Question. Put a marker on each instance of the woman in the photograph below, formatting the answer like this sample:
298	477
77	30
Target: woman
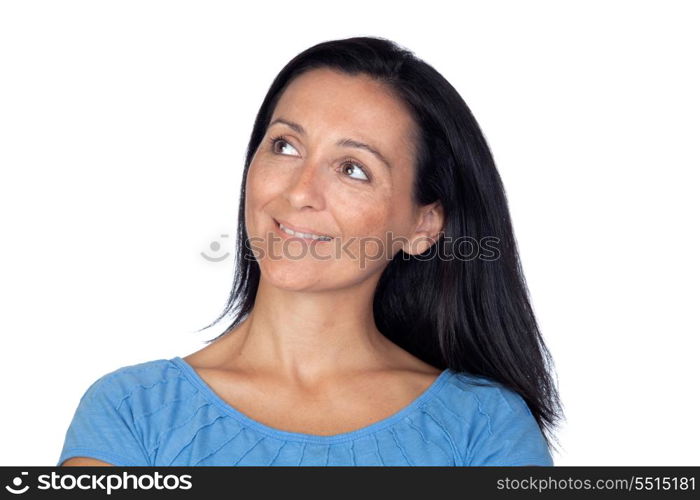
363	334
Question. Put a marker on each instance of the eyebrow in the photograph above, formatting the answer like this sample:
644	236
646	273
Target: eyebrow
345	142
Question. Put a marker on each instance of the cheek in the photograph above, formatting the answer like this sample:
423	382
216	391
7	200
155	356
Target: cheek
364	220
382	226
263	184
261	180
360	212
259	189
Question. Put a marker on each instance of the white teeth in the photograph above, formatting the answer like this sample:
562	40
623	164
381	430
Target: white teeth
303	235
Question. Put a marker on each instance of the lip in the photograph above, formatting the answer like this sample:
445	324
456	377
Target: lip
298	230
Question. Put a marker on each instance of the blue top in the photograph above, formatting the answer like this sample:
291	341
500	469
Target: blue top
162	413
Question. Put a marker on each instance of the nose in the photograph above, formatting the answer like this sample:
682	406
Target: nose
306	186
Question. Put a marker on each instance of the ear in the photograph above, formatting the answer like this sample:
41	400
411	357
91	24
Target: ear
429	226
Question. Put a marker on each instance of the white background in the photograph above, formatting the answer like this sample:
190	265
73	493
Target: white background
123	128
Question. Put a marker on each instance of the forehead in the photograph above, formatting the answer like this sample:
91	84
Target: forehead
326	101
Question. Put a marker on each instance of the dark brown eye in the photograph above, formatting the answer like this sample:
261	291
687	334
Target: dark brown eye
275	141
356	167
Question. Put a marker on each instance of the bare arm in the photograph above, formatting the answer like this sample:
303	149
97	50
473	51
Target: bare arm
83	461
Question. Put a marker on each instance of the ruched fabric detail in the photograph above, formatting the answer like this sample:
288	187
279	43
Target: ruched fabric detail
161	413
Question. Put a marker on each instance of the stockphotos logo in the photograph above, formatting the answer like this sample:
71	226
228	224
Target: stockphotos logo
102	482
17	487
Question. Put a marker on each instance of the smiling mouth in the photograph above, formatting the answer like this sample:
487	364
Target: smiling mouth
297	234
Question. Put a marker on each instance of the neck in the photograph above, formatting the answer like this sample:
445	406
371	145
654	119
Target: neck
311	336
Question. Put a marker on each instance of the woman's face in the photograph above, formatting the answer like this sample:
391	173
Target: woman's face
311	172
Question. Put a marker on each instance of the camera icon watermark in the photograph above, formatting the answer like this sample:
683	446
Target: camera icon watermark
17	488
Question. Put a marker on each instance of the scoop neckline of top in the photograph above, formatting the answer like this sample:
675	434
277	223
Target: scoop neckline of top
213	397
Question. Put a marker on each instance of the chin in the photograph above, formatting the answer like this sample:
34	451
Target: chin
291	275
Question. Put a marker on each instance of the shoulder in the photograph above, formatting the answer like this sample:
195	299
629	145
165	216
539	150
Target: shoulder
148	377
109	423
492	423
479	394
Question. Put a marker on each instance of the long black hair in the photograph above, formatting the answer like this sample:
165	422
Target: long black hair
471	315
